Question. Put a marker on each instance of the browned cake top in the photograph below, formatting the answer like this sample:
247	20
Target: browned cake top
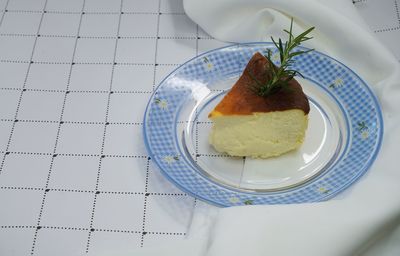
242	100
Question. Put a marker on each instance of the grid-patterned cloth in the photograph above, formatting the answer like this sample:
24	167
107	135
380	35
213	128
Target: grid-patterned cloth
75	77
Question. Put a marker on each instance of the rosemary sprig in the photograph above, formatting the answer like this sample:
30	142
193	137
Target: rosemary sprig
279	77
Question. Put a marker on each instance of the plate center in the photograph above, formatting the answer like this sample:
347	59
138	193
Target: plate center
321	147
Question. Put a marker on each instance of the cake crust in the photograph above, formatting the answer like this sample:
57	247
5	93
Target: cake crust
242	100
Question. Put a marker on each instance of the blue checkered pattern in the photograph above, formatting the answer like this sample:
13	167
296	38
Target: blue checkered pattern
346	87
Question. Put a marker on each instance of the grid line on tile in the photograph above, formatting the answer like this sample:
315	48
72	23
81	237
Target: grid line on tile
58	132
89	63
106	37
72	154
4	13
75	91
69	122
22	91
142	238
104	131
95	229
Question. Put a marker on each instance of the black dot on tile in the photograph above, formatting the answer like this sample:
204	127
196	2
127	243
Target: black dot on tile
103	156
6	10
67	92
144	233
149	158
107	123
115	63
160	13
122	12
38	35
119	37
44	11
7	153
24	90
16	120
111	92
78	36
198	37
97	192
92	229
61	122
31	61
147	194
158	37
198	155
83	12
156	64
38	227
47	190
73	63
55	155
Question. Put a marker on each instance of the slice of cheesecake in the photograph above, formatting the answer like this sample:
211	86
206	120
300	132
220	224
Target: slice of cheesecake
246	124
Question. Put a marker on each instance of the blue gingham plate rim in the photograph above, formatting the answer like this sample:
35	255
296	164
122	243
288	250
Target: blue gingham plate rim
232	197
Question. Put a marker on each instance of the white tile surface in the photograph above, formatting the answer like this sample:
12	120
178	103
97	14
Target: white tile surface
61	242
124	140
8	103
16	241
54	49
138	25
175	51
102	6
131	51
66	6
133	78
41	105
75	211
5	128
34	137
89	107
122	174
16	48
127	107
74	172
102	242
99	25
20	23
95	50
25	170
60	24
80	138
118	212
115	211
140	6
90	77
31	5
13	74
24	202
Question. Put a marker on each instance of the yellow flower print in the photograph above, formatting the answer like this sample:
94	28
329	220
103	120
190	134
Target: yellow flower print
364	134
163	104
207	64
169	159
234	200
338	82
323	190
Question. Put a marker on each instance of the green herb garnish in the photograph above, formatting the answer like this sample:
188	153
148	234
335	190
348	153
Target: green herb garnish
279	77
